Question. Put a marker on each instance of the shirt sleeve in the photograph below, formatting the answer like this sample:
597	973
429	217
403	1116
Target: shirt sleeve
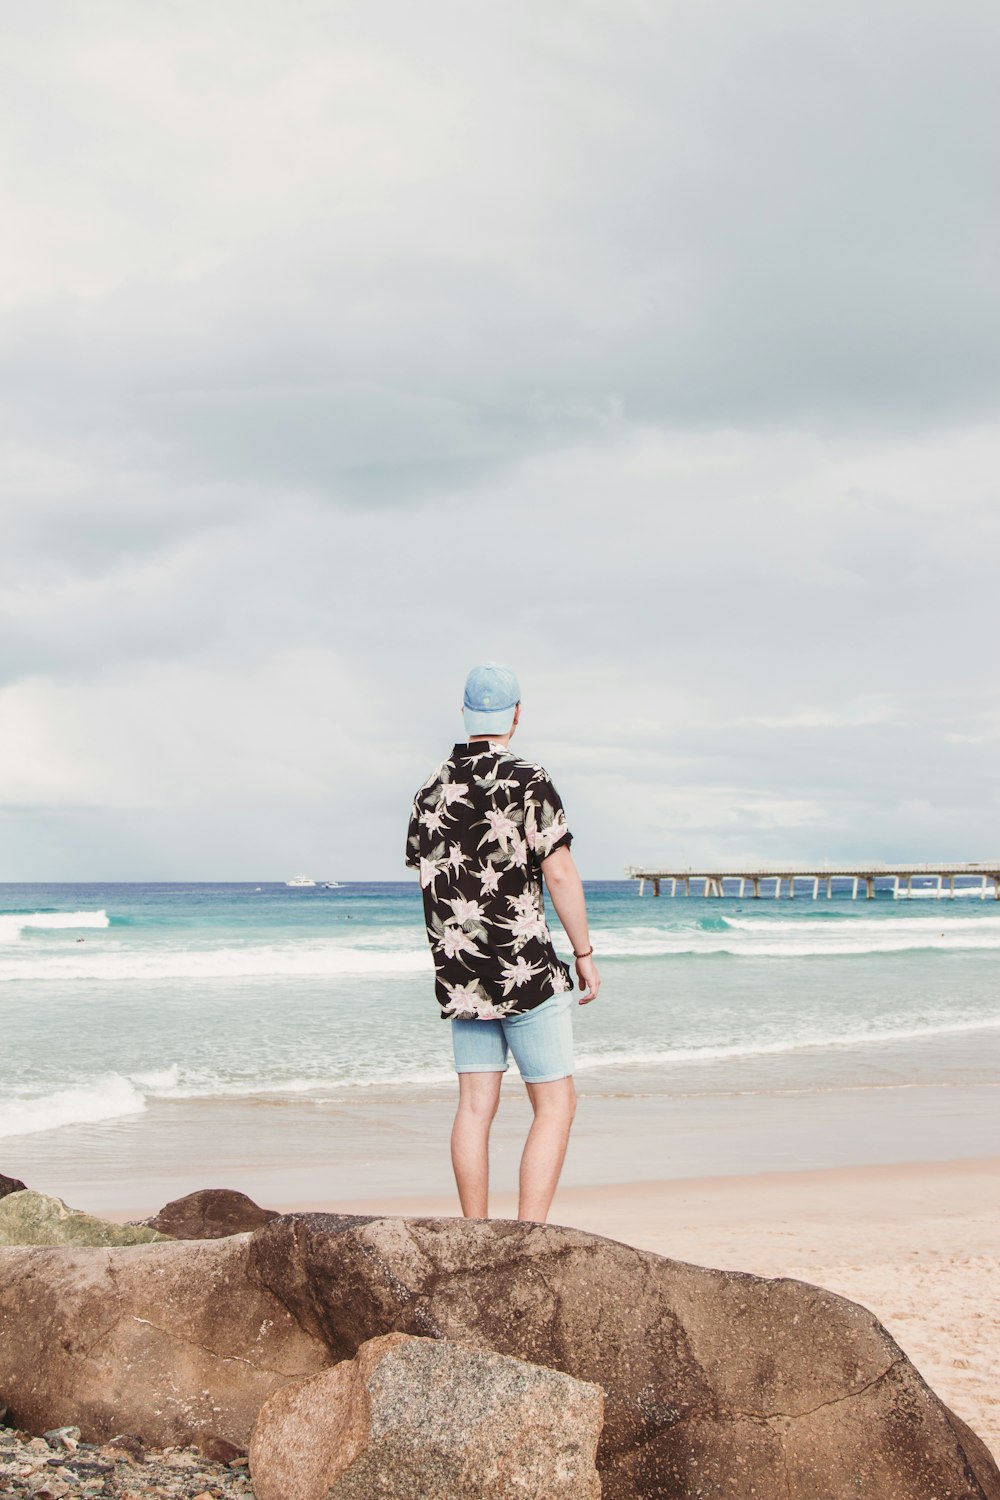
413	839
545	826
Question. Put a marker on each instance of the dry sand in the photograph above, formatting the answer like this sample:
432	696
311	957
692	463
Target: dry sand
917	1244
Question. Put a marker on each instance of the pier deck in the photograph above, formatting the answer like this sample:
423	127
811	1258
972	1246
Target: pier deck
712	880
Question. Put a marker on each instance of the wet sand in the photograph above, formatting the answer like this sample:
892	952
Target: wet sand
375	1143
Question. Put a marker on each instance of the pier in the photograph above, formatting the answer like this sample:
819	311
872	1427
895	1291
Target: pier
773	880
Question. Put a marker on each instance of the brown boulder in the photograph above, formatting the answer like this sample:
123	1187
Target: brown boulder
10	1185
174	1342
217	1450
210	1214
717	1383
425	1417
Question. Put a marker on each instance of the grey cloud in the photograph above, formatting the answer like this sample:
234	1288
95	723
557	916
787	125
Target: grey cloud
764	216
653	351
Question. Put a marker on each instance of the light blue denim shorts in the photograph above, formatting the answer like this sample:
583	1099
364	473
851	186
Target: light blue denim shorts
541	1041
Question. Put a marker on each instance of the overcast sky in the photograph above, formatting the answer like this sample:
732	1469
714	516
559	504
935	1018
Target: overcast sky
651	348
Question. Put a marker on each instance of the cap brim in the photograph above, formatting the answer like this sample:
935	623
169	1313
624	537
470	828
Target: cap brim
481	721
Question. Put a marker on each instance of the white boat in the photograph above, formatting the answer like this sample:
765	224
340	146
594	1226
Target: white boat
300	880
331	885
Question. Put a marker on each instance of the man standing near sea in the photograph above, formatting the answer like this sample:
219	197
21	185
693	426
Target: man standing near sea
485	830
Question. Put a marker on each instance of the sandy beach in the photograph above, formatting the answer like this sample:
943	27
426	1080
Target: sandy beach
918	1244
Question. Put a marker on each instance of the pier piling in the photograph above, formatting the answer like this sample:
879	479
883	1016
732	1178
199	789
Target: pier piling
713	881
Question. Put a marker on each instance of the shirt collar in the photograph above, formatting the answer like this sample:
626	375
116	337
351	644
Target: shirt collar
480	747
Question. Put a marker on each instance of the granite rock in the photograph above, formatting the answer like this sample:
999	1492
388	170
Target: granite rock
32	1218
173	1342
10	1185
210	1214
717	1383
411	1416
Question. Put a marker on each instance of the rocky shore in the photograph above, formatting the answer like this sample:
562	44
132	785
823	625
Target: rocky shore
58	1466
221	1349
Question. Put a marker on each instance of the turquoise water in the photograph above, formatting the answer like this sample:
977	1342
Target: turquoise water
115	997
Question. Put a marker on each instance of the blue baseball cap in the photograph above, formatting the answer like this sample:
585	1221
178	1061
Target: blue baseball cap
491	695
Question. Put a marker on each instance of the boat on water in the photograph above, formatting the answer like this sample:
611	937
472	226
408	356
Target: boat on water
332	885
300	881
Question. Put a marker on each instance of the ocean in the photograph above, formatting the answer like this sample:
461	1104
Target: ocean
286	1040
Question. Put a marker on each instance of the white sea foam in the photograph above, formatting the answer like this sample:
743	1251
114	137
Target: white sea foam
401	952
833	1040
12	924
931	893
106	1098
803	938
187	1083
116	1095
303	960
913	925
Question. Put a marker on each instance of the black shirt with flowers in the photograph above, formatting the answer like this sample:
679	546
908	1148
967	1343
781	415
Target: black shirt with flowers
480	827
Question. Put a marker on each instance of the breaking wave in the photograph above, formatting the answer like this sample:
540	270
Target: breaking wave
802	937
116	1095
302	960
106	1099
13	924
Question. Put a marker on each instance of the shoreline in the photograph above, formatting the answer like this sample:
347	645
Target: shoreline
387	1145
716	1196
651	1212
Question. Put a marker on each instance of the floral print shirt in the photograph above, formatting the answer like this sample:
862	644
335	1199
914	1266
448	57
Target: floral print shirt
480	827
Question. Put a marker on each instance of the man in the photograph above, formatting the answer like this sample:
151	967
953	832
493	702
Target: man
485	828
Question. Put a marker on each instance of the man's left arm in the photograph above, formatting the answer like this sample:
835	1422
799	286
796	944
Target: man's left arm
565	889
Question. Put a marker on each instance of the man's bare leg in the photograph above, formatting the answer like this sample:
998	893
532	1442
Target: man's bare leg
478	1097
554	1105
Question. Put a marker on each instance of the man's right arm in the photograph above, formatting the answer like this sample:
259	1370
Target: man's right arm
565	889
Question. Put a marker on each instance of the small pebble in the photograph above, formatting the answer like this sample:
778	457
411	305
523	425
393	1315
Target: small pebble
63	1437
130	1443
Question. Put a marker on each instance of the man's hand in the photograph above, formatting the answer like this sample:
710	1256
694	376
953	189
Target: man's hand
588	978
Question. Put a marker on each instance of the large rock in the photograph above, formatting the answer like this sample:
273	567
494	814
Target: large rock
717	1384
10	1185
210	1214
31	1218
175	1342
424	1417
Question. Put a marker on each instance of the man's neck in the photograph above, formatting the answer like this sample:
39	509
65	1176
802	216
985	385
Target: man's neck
493	739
